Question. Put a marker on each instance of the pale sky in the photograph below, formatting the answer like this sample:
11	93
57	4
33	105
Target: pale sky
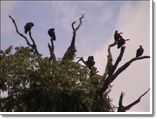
96	33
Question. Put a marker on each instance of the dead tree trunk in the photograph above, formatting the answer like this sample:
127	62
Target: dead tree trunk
70	52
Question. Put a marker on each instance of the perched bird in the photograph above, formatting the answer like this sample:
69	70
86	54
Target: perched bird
90	61
121	42
139	51
117	36
52	34
28	27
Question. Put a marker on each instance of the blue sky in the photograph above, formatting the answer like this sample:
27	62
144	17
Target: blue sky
100	21
96	33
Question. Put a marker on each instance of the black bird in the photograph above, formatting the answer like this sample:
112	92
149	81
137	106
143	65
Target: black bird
117	36
121	42
52	34
139	51
28	27
90	61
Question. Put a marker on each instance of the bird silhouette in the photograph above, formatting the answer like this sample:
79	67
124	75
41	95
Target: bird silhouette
52	34
139	51
117	36
121	42
90	61
28	27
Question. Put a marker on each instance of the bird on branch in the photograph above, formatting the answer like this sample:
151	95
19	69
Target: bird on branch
139	51
28	27
90	61
90	64
119	40
51	33
117	36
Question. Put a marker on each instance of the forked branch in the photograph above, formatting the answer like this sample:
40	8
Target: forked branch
126	65
80	23
122	108
70	52
33	46
28	43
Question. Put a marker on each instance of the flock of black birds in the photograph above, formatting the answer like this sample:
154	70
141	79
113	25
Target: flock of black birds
119	40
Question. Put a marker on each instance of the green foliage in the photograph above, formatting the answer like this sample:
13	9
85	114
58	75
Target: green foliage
37	84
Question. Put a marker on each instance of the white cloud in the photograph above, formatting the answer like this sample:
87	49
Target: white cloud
134	22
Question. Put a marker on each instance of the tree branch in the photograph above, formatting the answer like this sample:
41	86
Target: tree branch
111	75
122	108
70	52
118	59
72	25
111	68
126	65
33	46
28	43
51	49
82	16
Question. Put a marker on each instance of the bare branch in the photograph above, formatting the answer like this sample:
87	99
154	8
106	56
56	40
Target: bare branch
122	108
112	76
109	62
70	52
126	65
110	68
118	60
144	93
80	23
121	99
73	26
51	49
82	16
34	45
28	43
